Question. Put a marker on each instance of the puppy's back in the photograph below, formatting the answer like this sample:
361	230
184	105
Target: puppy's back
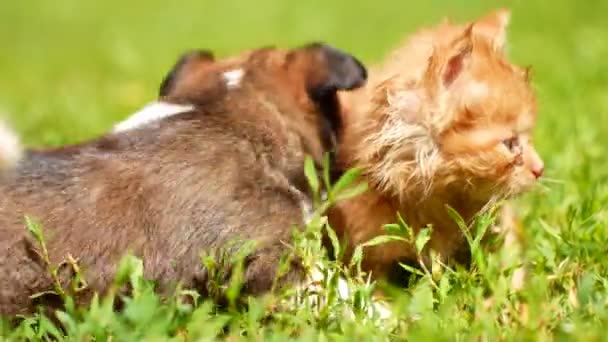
228	169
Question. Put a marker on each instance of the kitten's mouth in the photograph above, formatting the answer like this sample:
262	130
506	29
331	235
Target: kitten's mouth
521	187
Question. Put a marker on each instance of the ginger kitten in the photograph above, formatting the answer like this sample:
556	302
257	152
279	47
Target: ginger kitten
447	120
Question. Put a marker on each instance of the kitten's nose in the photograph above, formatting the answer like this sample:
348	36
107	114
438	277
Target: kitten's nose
537	167
538	171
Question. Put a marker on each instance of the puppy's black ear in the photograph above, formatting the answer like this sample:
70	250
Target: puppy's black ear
325	70
329	70
188	63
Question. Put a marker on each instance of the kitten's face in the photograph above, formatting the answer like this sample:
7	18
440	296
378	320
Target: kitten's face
490	107
464	124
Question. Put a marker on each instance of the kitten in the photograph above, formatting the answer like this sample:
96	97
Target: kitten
447	120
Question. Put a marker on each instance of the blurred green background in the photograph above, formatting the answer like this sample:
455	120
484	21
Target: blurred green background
69	69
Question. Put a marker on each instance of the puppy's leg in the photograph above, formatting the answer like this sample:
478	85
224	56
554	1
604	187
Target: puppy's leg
271	267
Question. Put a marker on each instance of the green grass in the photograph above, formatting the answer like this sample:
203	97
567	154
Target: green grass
70	69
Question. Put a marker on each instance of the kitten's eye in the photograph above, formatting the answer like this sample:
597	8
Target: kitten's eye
511	143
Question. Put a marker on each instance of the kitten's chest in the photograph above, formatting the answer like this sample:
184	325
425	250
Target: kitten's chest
364	218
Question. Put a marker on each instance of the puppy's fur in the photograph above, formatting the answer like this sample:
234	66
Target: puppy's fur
165	189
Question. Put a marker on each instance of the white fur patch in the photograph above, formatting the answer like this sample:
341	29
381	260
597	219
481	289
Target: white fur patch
407	138
478	89
525	121
307	209
233	78
151	113
10	148
408	103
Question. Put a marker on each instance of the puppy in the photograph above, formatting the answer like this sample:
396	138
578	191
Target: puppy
219	158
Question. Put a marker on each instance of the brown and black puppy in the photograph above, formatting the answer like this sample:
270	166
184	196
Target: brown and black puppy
223	159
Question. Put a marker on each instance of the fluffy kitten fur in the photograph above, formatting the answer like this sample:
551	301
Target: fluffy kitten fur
447	120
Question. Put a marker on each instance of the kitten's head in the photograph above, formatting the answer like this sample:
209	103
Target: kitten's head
466	123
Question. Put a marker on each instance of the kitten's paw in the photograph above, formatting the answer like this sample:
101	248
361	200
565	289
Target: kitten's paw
316	291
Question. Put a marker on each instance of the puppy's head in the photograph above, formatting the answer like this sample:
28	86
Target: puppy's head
299	84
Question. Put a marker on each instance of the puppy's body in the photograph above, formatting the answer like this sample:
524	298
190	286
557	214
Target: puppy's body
168	188
446	121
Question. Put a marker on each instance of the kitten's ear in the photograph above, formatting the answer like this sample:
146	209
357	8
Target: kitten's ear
493	28
455	65
447	63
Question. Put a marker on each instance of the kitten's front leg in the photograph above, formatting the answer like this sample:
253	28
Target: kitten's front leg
508	223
